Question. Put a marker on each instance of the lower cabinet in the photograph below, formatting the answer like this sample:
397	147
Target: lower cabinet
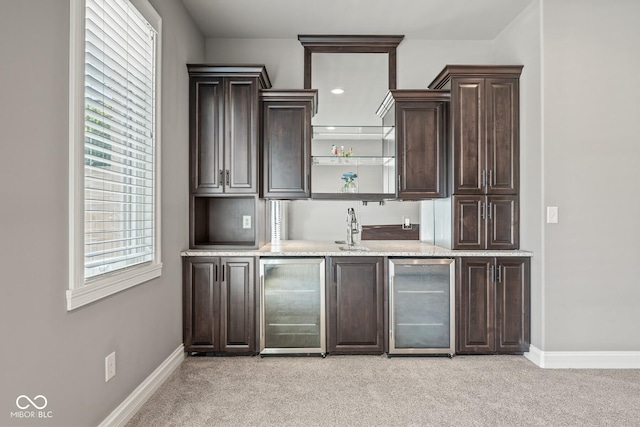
493	305
356	305
219	304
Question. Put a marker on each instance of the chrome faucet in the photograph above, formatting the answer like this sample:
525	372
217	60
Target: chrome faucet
352	226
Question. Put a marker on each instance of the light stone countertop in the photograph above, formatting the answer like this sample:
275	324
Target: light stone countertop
399	248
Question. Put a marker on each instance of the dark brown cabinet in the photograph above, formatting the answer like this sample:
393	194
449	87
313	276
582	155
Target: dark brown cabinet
286	142
485	222
224	127
484	154
493	305
224	122
484	125
419	118
219	305
356	305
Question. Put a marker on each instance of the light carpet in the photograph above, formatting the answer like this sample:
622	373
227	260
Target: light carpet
400	391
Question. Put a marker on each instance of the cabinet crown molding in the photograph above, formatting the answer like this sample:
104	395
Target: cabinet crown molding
259	71
354	43
411	95
298	95
497	71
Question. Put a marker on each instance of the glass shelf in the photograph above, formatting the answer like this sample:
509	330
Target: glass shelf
372	160
350	132
352	161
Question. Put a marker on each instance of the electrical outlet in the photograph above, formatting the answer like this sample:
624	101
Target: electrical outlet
109	366
246	221
552	214
406	222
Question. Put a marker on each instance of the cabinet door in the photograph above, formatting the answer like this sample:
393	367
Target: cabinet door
356	324
420	128
469	222
502	130
512	305
241	135
206	134
286	136
237	305
200	309
502	222
475	296
468	122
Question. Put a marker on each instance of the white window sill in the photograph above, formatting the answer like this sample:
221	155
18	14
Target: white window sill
110	285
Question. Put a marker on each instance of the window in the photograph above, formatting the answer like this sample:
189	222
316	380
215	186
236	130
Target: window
115	146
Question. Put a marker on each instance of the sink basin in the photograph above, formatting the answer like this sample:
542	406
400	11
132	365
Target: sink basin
353	248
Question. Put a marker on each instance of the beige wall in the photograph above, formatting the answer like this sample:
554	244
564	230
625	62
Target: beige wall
46	349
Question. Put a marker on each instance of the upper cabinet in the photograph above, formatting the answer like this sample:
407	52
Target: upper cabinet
484	125
224	127
286	142
418	119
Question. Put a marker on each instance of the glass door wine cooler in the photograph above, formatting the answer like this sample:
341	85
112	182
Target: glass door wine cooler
421	306
292	306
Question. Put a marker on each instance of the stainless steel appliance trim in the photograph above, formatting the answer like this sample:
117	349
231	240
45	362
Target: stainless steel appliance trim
297	350
394	263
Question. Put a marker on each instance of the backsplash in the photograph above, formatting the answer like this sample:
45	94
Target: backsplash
326	219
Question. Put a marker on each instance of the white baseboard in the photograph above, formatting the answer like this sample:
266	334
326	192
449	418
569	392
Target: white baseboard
130	406
584	359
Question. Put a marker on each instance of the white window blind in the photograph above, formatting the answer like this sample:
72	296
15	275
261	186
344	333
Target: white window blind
119	144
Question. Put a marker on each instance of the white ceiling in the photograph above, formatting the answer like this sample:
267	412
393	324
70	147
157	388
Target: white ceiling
415	19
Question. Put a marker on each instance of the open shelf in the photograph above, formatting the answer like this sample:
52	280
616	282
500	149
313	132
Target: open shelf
352	160
350	132
370	156
217	222
368	197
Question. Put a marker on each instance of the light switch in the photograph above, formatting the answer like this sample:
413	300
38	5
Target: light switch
552	214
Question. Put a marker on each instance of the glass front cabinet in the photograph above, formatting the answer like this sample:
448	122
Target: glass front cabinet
421	306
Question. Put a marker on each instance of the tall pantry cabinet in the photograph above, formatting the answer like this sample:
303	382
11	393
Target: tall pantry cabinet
224	132
484	158
225	210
